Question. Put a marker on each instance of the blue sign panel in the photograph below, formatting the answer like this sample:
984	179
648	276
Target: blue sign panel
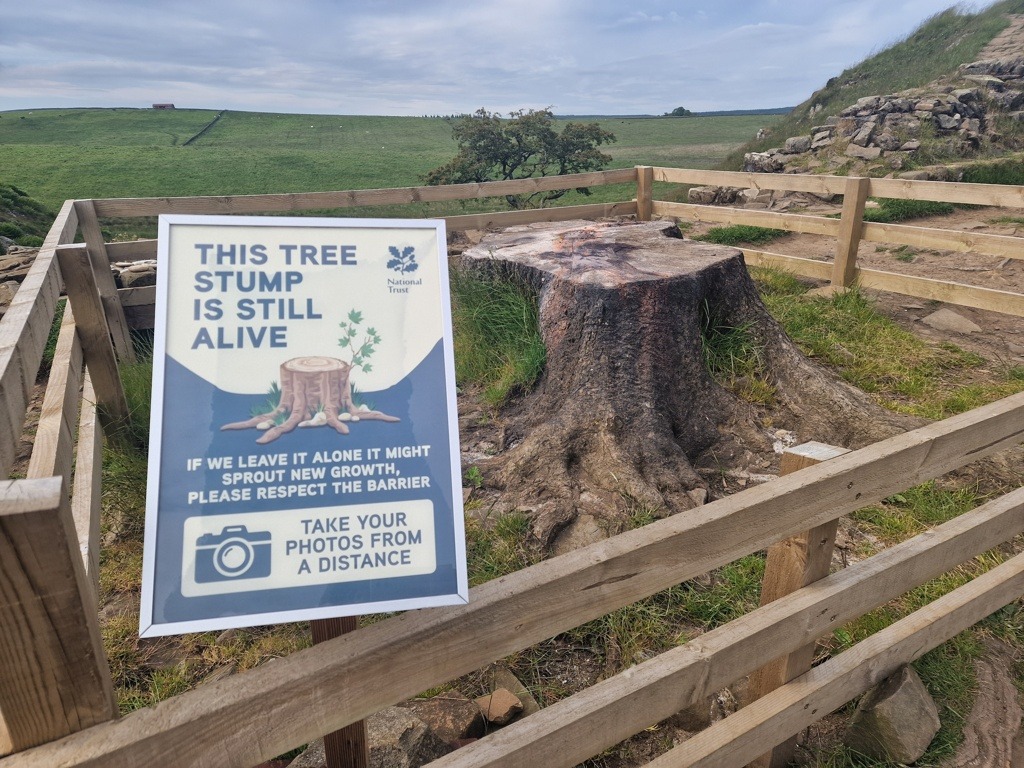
304	458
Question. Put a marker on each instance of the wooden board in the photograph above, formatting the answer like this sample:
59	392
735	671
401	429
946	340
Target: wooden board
820	270
23	333
53	447
562	213
795	182
86	496
644	183
346	679
152	206
939	290
133	250
104	279
949	192
91	320
573	729
788	710
54	678
945	239
844	264
790	222
793	564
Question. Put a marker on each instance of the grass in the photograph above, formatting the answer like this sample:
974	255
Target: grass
904	373
497	335
60	154
741	234
733	358
891	210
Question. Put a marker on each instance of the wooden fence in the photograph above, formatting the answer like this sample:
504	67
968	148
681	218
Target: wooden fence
56	701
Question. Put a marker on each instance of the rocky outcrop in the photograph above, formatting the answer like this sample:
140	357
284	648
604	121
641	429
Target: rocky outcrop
956	118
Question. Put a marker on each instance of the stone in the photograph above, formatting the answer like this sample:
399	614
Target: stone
864	153
451	716
138	278
398	739
910	146
987	81
711	195
502	677
948	320
796	144
761	162
948	122
863	136
896	720
500	707
7	290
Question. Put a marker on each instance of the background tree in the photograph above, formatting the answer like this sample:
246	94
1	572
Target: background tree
679	112
524	145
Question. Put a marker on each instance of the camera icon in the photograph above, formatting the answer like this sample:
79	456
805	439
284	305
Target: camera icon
234	553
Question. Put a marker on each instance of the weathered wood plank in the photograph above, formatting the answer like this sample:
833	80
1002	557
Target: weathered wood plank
133	250
152	206
820	270
346	679
53	448
561	213
104	279
593	720
795	182
23	333
939	290
844	264
790	709
91	320
644	182
54	678
793	564
945	239
949	192
86	496
790	222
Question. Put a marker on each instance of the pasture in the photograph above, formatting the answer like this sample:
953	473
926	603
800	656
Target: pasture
57	154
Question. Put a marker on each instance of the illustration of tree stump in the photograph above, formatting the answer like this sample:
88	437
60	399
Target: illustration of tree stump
315	391
626	407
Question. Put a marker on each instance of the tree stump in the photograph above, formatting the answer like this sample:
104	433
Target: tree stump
315	391
626	407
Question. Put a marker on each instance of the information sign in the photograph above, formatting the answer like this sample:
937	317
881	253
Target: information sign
304	458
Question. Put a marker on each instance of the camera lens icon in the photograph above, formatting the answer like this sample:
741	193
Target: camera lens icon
234	553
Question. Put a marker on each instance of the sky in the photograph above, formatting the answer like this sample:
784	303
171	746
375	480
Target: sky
439	57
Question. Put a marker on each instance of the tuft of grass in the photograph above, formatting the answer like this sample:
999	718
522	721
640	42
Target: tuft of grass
733	357
891	210
737	234
497	546
497	335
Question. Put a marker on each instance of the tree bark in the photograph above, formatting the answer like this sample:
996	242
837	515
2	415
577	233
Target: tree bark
626	411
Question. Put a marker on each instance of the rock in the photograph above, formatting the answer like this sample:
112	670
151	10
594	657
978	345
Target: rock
450	715
948	320
948	122
398	739
502	677
7	290
910	146
138	278
796	144
987	81
864	153
761	162
500	707
896	720
711	195
864	135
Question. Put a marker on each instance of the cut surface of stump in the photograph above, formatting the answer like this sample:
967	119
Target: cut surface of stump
315	391
626	407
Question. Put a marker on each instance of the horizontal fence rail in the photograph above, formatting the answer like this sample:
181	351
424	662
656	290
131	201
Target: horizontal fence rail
56	697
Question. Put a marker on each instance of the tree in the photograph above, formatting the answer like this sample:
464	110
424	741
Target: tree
524	145
679	112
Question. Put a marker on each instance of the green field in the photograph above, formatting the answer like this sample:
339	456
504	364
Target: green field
59	154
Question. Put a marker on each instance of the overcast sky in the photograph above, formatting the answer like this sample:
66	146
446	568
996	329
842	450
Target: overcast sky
416	57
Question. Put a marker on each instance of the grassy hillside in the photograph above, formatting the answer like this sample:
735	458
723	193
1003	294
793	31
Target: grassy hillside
935	49
61	154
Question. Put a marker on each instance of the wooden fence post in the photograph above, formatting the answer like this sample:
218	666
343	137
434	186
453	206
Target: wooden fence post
87	303
97	250
793	564
54	678
845	264
345	748
644	195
